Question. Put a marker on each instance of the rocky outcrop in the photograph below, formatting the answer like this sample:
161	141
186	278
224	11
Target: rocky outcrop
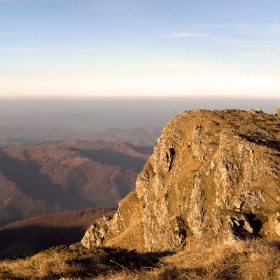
214	178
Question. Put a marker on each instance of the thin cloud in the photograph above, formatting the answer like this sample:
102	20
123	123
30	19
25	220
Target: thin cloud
264	30
63	46
252	46
182	35
88	50
17	49
256	54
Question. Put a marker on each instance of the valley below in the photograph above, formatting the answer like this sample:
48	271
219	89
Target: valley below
70	175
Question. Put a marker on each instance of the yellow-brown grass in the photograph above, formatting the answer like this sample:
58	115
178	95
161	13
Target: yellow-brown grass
250	260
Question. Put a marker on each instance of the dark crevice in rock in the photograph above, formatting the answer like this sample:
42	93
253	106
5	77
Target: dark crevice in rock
171	156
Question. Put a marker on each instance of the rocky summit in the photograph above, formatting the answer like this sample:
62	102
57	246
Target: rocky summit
214	178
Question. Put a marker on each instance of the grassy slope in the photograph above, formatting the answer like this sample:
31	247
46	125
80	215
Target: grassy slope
250	260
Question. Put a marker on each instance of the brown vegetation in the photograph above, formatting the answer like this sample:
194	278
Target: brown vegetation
250	260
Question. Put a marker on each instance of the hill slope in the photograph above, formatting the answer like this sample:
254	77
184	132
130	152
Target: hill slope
213	178
47	179
29	236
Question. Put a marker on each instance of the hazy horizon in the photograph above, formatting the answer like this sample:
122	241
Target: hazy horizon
136	106
34	121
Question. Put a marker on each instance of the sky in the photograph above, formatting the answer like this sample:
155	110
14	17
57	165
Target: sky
133	48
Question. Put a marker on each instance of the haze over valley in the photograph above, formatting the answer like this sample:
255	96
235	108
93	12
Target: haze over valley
59	154
137	121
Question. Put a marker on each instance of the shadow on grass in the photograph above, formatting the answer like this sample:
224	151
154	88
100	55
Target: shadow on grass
80	263
28	240
256	138
103	260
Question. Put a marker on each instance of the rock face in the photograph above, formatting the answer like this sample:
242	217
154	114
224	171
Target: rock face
214	177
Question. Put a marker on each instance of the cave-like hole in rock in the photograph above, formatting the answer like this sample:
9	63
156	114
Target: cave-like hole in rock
255	222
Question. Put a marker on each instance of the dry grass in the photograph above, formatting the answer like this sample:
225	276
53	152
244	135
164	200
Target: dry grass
40	266
250	260
76	262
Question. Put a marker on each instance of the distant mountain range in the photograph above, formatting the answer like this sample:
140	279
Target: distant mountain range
15	136
68	175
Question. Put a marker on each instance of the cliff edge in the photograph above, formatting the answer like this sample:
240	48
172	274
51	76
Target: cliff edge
214	178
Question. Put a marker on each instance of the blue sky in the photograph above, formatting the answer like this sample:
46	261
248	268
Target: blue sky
83	48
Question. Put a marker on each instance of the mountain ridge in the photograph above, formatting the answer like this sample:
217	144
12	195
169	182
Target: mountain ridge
23	135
